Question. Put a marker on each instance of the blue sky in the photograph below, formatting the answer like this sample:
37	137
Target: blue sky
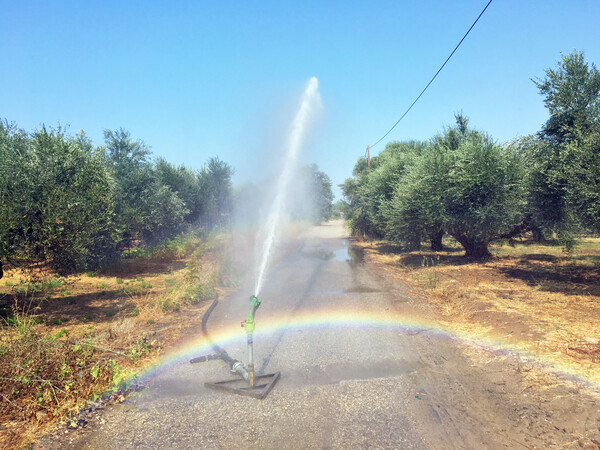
195	79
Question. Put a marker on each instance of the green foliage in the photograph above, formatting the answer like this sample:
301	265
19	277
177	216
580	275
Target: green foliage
563	161
572	95
338	209
51	373
468	186
78	207
428	274
317	197
140	348
169	305
146	210
321	194
184	182
14	186
461	182
464	184
215	185
38	286
54	283
373	186
56	199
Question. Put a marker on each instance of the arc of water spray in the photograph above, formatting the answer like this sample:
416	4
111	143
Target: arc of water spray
296	138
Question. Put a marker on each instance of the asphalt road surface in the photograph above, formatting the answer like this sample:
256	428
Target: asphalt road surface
344	383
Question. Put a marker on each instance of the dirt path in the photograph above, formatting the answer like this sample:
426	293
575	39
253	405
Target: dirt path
363	365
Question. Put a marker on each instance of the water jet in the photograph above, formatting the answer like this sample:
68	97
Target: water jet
249	384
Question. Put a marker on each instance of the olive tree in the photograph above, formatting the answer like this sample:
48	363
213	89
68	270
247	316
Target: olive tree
146	210
184	182
317	198
214	180
464	184
373	185
14	182
564	159
57	202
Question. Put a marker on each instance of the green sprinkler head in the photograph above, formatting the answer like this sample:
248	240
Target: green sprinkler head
254	301
249	323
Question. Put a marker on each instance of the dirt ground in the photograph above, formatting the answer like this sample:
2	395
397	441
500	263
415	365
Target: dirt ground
130	314
531	309
531	313
530	296
471	387
130	301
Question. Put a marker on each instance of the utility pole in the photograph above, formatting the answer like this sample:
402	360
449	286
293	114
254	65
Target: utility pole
368	156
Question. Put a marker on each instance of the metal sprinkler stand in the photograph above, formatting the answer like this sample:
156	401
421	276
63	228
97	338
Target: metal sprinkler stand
259	386
248	325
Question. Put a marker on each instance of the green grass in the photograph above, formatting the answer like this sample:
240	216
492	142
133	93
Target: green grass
24	288
428	275
168	305
176	248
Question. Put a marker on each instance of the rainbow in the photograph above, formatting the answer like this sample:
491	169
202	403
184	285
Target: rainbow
321	319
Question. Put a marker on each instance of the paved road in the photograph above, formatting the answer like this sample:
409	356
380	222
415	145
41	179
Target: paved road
342	386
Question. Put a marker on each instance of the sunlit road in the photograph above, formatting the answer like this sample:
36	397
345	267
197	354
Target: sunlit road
346	382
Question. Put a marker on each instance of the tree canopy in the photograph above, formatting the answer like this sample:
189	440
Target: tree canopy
373	184
564	158
571	94
78	206
463	183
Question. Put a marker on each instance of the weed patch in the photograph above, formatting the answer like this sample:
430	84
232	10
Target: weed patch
427	277
67	340
44	377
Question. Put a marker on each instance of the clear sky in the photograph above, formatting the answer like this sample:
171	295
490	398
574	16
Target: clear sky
195	79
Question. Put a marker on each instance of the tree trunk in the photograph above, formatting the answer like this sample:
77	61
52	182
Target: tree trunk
436	241
538	235
527	224
477	250
474	248
1	272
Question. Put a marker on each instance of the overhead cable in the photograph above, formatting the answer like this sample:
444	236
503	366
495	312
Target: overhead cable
436	74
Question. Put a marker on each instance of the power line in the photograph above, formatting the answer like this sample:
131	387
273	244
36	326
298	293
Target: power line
436	74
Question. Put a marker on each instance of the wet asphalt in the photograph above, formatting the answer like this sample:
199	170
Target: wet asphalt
344	383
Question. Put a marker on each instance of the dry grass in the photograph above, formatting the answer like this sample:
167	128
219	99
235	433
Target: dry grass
65	340
528	296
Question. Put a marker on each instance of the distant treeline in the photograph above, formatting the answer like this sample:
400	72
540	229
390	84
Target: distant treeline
463	183
78	206
309	198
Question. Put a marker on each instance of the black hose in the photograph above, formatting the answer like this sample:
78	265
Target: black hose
200	359
220	353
